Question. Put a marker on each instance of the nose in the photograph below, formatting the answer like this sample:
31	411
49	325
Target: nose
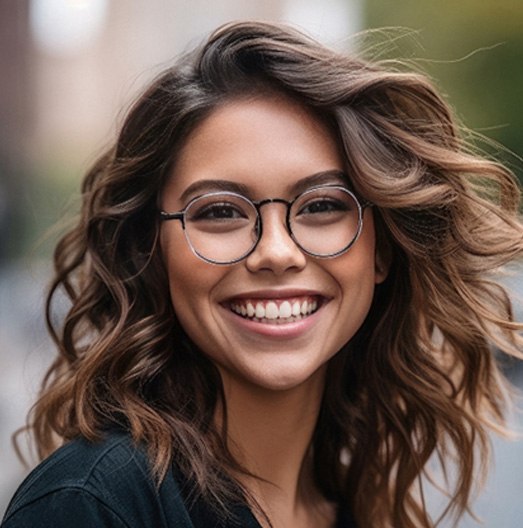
276	251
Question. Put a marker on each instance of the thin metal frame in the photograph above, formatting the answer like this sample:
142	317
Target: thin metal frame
180	215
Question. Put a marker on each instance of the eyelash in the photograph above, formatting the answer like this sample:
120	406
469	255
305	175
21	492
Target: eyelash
203	214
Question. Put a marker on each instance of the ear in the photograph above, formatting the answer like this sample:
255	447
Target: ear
382	261
383	252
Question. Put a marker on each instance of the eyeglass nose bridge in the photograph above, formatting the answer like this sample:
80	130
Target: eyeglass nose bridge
266	201
259	221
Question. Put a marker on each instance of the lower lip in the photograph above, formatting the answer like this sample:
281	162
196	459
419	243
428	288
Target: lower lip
278	331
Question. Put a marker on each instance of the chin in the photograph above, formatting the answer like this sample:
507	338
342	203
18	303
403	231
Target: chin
281	380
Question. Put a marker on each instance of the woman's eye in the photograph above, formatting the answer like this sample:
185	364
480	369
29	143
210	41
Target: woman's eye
220	211
323	206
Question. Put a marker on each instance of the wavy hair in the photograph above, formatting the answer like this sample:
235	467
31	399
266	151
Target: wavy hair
418	380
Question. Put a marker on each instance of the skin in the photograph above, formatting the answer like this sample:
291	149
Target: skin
273	377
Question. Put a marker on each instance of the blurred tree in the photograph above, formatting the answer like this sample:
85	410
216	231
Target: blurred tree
474	50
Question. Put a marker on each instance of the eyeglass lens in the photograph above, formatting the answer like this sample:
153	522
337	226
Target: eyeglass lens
224	227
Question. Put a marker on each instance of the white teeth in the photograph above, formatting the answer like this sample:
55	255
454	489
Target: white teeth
285	310
303	308
260	311
271	311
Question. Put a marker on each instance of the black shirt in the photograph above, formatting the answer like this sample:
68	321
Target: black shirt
108	484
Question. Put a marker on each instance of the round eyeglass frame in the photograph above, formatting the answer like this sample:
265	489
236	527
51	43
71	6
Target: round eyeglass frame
258	226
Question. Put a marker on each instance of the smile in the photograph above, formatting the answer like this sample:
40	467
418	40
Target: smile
276	311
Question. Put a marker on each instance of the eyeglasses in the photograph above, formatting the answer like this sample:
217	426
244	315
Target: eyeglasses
225	227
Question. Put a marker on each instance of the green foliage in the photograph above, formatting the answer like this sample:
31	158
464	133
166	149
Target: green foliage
474	48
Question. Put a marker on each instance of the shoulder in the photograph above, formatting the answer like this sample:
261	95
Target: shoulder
99	468
108	483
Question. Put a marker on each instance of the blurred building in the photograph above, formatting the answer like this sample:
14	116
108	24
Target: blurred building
84	81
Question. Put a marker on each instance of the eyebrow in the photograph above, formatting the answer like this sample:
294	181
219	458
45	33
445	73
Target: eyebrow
328	177
320	178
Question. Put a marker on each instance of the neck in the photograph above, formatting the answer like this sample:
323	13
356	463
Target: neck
270	434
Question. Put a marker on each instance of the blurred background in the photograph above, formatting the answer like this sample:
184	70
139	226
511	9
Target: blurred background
69	68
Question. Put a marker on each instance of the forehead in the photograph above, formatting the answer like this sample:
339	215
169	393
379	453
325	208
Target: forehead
266	144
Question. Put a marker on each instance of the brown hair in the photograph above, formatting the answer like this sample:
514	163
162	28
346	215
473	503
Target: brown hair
418	379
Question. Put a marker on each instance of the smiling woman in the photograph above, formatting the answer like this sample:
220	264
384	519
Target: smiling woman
268	145
283	301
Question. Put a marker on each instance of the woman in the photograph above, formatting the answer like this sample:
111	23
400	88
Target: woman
282	301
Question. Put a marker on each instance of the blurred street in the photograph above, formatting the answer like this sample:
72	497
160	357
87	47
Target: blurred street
25	352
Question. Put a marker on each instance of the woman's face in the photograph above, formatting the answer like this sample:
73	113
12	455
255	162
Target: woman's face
271	147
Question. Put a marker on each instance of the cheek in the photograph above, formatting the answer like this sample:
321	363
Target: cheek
356	277
182	271
188	290
188	285
358	265
191	283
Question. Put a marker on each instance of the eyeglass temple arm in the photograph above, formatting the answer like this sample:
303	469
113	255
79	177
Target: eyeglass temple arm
171	216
